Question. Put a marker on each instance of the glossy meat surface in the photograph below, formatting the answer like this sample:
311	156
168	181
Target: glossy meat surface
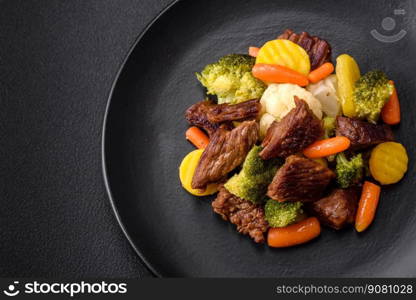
247	216
297	130
319	50
300	179
226	151
338	209
363	134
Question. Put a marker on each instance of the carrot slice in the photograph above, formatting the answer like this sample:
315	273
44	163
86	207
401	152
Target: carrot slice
391	110
367	206
327	147
294	234
279	74
321	72
253	51
197	137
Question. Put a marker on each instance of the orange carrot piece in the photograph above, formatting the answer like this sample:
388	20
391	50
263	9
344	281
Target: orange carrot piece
294	234
279	74
321	72
253	51
197	137
327	147
367	206
391	110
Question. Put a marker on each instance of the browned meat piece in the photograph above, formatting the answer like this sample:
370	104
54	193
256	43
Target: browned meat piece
363	134
338	209
248	216
319	50
297	130
237	112
300	179
225	151
197	115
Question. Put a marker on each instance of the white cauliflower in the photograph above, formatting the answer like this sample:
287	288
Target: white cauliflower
326	92
278	100
265	122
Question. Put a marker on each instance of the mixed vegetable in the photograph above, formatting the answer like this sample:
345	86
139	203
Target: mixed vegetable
255	176
231	79
291	141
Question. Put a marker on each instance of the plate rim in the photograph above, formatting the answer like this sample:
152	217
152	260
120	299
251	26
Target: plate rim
115	81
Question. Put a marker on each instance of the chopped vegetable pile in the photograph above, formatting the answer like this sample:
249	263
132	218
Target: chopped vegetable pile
291	141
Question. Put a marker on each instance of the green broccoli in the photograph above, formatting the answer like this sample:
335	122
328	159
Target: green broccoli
230	79
329	126
256	174
282	214
371	92
349	172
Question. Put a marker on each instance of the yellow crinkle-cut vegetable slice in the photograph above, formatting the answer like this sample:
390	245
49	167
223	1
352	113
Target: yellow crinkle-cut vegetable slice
347	72
186	173
285	53
388	162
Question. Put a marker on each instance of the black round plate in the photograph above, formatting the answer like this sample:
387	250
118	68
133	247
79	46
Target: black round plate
177	234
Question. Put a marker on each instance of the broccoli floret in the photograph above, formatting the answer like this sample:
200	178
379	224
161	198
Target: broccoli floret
371	93
254	166
256	174
230	79
349	172
329	126
246	188
281	214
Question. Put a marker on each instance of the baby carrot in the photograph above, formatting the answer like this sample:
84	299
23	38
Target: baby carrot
253	51
321	72
197	137
367	206
294	234
279	74
327	147
391	110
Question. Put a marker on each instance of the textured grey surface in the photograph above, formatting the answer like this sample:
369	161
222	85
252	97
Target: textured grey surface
58	60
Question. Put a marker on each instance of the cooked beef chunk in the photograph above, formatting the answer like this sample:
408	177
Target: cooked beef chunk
237	112
226	151
297	130
338	209
248	216
300	179
363	134
319	50
196	115
208	115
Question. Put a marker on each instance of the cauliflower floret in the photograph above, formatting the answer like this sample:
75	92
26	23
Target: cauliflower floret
325	91
265	122
278	100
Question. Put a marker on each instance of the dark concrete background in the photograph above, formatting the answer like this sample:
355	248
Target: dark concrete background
58	60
